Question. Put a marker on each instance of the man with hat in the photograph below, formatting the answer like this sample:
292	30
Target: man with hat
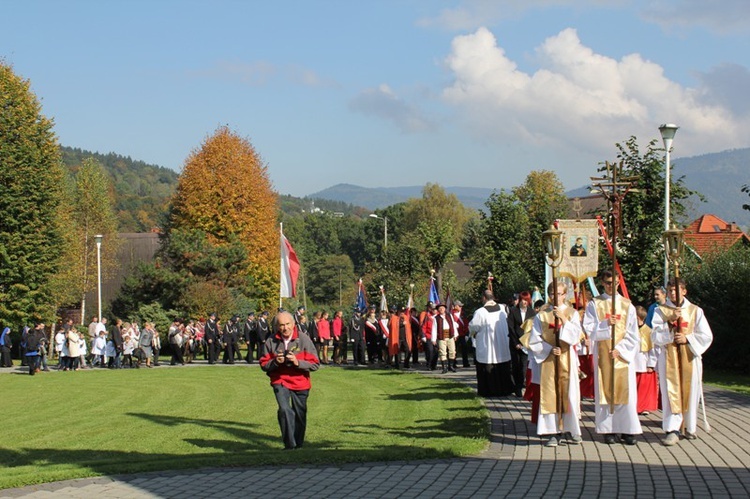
371	335
212	338
230	336
446	332
250	332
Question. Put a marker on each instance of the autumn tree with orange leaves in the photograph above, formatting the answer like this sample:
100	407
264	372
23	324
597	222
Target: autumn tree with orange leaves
224	192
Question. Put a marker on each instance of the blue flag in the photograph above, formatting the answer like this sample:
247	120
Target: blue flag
361	299
434	298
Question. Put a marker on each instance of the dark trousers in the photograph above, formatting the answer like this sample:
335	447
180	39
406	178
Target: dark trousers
403	348
252	346
430	355
518	369
211	347
358	351
292	415
229	353
415	347
461	345
33	363
176	354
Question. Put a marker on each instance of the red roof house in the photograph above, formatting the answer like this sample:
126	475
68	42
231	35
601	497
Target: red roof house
709	234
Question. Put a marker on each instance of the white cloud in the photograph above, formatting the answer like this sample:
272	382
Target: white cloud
580	100
383	103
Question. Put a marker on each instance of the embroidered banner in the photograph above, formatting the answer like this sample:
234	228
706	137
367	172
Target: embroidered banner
580	247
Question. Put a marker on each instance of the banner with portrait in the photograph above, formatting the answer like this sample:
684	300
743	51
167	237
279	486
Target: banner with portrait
580	247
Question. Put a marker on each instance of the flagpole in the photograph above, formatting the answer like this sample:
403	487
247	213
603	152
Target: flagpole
281	257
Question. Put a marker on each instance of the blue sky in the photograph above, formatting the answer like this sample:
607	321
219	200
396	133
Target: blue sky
388	93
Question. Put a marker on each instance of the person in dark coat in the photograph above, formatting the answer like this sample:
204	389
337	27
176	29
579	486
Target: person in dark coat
357	336
211	331
250	333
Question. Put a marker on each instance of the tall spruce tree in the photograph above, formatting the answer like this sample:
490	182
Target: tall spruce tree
31	194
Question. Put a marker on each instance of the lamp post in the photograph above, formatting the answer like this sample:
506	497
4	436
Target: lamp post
98	238
668	131
385	231
552	242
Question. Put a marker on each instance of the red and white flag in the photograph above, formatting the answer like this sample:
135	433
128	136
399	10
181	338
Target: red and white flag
289	269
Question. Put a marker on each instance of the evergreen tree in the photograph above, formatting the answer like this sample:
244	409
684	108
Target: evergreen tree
31	194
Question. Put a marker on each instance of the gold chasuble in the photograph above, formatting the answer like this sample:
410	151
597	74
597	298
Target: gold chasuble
679	366
548	391
646	343
603	312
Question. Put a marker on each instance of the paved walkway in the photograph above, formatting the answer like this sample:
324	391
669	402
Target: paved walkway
514	465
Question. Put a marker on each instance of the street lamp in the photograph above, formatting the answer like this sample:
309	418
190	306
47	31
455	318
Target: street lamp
668	132
98	238
385	233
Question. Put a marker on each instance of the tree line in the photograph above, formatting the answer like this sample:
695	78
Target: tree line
219	248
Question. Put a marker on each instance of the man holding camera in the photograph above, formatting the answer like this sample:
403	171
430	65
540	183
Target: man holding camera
288	358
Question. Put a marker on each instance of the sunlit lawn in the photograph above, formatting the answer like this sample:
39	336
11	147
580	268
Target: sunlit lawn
735	382
62	425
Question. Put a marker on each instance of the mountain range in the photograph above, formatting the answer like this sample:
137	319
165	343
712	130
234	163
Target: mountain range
718	177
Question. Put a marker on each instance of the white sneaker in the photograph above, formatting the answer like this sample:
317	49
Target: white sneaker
552	442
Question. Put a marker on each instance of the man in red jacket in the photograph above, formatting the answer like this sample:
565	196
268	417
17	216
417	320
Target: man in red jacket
288	359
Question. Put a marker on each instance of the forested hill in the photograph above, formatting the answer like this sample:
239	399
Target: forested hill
142	191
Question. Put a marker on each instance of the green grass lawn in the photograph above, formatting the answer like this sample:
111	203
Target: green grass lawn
735	382
59	425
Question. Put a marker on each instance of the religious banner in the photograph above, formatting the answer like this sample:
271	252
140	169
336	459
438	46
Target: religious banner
580	247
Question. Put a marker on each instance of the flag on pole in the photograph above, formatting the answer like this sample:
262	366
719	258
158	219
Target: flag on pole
289	269
410	302
448	301
383	301
361	298
434	297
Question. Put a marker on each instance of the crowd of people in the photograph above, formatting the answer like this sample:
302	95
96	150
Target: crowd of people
630	360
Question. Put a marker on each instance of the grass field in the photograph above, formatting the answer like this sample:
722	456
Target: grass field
79	424
735	382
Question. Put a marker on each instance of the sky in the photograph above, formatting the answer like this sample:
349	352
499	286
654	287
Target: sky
388	93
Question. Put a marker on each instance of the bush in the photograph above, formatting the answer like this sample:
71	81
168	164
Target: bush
719	286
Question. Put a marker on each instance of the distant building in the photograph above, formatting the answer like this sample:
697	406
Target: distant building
710	234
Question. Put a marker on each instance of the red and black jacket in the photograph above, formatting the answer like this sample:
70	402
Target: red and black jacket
291	376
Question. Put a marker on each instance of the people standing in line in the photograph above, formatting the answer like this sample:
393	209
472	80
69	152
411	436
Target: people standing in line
383	337
324	336
338	332
371	335
489	330
116	335
683	335
174	336
6	344
463	330
616	416
288	359
250	333
146	342
555	332
212	338
399	336
357	337
229	338
34	339
660	298
585	357
415	335
430	343
518	358
646	380
446	332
